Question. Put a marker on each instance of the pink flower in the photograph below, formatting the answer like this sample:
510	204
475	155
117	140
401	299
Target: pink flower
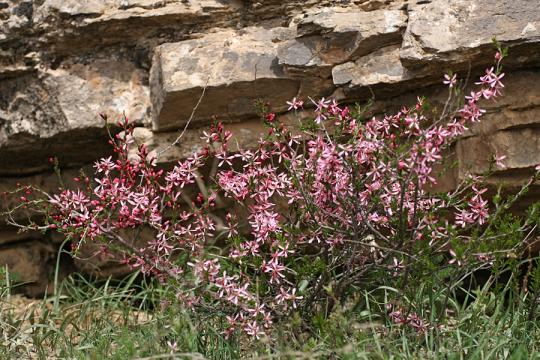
295	104
499	161
454	259
253	329
337	196
321	106
450	81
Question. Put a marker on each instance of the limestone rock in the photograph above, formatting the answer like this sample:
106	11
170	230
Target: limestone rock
244	135
461	31
15	19
379	73
332	36
279	12
75	8
30	263
520	146
14	70
109	87
57	115
82	13
519	106
73	25
14	236
235	68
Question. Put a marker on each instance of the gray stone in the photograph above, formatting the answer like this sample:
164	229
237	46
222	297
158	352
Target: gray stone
74	26
15	19
30	264
520	146
235	68
57	115
461	31
377	74
75	8
244	135
332	36
83	13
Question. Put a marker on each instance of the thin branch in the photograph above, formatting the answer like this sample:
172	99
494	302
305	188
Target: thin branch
177	140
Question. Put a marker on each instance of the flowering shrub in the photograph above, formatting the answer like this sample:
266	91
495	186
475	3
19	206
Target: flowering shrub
318	208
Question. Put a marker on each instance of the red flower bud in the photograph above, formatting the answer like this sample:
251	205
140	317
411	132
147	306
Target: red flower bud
270	117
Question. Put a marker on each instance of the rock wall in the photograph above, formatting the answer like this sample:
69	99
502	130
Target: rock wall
64	61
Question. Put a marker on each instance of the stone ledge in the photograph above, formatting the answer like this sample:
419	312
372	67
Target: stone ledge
236	69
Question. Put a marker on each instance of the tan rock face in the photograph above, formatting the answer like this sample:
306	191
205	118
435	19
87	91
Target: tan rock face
104	86
331	36
460	31
378	74
234	68
15	18
261	63
520	146
30	263
509	128
101	22
38	114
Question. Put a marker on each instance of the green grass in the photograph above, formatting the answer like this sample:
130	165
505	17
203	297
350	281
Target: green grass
129	320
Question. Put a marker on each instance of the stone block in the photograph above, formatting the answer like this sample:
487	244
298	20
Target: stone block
235	69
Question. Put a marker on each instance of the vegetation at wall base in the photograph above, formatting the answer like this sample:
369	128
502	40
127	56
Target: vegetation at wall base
132	319
327	240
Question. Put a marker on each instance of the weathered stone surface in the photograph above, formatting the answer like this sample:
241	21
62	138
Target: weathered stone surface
446	173
74	8
15	18
244	135
519	106
58	114
235	68
30	263
83	13
381	66
159	11
73	24
15	70
279	12
520	146
461	31
377	74
335	35
109	87
14	236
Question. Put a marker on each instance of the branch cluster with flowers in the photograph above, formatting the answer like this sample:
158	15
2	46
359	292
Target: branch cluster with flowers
317	207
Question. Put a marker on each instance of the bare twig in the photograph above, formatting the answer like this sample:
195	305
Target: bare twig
177	140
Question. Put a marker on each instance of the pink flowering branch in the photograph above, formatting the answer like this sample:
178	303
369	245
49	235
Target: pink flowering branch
322	207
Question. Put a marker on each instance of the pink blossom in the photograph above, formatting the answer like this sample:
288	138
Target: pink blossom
295	104
450	81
